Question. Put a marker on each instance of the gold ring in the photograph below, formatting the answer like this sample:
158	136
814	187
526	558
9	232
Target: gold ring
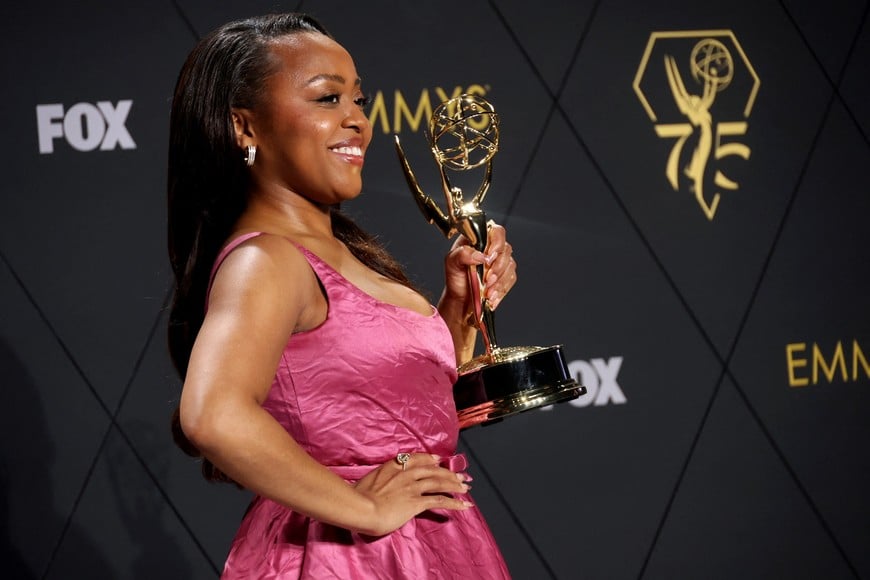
403	459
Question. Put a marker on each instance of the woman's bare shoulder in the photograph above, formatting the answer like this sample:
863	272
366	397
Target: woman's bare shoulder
269	269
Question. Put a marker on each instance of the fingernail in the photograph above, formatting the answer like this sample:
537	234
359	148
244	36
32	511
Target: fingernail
478	257
460	477
467	504
436	457
490	259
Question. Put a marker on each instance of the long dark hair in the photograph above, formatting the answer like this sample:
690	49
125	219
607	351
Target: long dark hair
208	179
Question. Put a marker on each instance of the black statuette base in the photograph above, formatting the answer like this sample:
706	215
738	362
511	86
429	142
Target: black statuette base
510	381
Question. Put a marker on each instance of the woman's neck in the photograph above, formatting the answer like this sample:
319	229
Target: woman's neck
290	214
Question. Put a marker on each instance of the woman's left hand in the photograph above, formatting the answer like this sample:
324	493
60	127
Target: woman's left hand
500	268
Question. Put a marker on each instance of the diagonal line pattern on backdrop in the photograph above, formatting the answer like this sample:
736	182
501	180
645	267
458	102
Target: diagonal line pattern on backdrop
834	84
110	415
726	368
672	283
509	210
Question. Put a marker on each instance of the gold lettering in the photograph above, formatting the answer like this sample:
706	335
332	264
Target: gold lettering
476	90
671	130
729	129
442	94
819	362
858	355
479	123
379	112
379	116
793	363
423	112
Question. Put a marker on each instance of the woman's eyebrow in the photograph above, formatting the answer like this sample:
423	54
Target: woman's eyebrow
332	77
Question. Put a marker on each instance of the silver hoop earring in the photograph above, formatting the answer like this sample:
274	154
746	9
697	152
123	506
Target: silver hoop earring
250	155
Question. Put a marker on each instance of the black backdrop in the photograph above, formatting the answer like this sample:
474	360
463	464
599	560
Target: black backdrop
725	433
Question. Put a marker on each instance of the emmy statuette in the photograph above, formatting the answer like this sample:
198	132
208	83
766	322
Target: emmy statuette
503	381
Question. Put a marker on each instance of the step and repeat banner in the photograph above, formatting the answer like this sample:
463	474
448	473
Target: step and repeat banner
685	188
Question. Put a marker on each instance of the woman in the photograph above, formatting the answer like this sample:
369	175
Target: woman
314	375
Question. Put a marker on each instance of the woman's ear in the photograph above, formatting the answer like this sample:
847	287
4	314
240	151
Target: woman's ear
243	126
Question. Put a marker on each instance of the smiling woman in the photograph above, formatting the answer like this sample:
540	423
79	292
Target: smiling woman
312	131
314	374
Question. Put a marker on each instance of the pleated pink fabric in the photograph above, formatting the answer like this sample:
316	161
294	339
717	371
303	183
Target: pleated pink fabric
373	380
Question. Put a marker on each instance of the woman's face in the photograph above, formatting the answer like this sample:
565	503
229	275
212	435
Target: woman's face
310	131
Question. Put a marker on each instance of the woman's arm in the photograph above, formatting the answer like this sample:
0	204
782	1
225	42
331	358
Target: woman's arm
262	292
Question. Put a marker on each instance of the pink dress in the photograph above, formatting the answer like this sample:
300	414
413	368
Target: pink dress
373	380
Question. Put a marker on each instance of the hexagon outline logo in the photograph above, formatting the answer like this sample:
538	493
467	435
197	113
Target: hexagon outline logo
701	96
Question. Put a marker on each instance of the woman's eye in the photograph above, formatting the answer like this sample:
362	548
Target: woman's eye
331	99
361	102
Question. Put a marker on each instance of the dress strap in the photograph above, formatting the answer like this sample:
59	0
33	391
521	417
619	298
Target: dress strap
234	243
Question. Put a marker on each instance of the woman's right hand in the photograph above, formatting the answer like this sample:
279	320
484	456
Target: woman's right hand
398	493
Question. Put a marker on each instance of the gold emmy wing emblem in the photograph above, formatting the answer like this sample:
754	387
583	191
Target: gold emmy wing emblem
697	84
463	136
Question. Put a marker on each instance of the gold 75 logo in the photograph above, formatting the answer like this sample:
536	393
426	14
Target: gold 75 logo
698	88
